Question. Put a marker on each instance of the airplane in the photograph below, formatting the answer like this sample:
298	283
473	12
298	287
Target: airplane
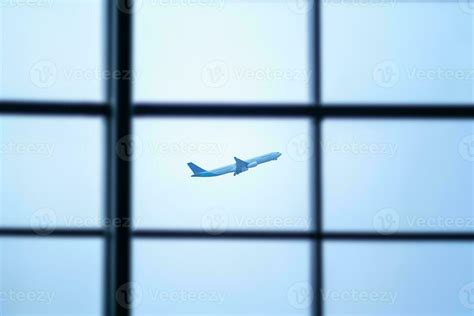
238	167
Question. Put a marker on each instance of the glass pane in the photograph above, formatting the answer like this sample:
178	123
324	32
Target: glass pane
398	175
271	192
370	55
235	51
52	49
222	278
51	171
416	279
51	277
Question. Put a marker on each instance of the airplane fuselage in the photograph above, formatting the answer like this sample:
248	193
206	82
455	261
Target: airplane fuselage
233	168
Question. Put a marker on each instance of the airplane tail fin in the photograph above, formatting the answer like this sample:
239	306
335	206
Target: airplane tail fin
196	169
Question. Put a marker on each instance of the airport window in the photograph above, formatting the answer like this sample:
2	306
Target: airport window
127	179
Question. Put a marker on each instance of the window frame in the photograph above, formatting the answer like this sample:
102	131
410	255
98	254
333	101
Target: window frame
119	110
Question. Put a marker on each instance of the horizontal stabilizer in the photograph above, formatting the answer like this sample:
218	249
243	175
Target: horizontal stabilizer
195	168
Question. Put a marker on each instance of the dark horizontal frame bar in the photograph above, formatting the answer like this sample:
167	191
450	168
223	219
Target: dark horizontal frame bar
444	111
240	235
224	109
288	110
290	235
63	232
55	108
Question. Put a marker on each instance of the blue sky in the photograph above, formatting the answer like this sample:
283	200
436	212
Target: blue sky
166	196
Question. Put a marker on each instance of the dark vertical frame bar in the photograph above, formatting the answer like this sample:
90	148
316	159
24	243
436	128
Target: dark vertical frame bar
109	154
120	122
317	281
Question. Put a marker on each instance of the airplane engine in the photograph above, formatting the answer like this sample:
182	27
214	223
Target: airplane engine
252	164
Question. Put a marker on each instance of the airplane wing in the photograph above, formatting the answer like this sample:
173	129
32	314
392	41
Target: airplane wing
240	166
